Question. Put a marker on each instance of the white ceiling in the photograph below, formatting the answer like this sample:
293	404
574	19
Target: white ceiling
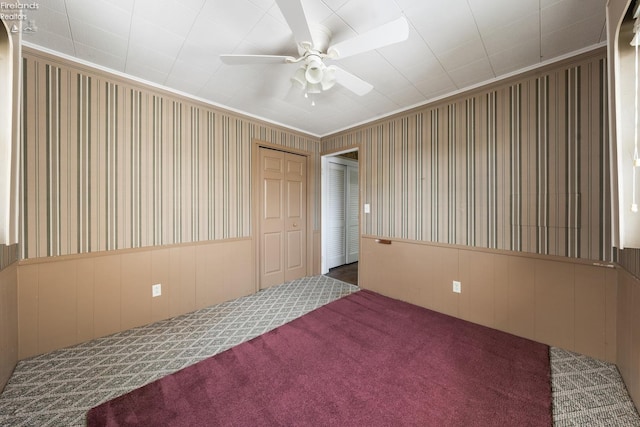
452	45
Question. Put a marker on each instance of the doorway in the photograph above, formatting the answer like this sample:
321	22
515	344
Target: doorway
341	215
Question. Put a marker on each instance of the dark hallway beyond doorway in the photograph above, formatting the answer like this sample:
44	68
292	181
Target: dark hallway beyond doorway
347	273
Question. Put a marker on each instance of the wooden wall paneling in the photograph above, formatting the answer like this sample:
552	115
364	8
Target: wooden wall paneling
444	265
183	280
521	308
477	277
370	277
419	289
238	271
554	303
135	285
57	305
8	322
70	300
209	274
160	274
590	312
409	268
501	292
107	295
85	291
611	295
628	332
624	329
634	325
28	321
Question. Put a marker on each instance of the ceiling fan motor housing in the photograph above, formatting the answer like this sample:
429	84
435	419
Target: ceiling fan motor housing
321	37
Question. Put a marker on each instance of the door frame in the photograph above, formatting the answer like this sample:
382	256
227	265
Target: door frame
255	204
324	159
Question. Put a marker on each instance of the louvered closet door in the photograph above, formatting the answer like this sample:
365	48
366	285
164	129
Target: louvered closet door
336	216
352	227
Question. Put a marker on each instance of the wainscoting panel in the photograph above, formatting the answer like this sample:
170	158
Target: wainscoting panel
558	301
68	300
520	165
8	322
111	164
628	330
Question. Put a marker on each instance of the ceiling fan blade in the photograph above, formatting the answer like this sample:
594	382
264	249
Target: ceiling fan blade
296	19
255	59
384	35
353	83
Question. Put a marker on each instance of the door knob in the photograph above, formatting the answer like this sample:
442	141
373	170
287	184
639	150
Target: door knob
295	224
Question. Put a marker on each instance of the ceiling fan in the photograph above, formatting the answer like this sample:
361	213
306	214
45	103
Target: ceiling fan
314	46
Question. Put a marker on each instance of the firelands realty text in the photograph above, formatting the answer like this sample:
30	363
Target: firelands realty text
15	10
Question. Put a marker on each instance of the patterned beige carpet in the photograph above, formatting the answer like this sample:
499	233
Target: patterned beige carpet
56	389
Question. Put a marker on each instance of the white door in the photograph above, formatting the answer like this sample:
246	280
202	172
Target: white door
352	226
336	216
341	218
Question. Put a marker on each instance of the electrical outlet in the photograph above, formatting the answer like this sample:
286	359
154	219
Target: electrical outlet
156	290
457	287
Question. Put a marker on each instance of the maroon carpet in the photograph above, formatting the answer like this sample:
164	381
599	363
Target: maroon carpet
363	360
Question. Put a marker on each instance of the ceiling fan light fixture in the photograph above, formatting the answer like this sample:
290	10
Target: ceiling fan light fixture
315	71
329	78
314	88
299	79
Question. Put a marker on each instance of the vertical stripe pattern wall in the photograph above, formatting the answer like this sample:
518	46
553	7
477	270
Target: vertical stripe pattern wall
111	164
629	259
521	165
8	255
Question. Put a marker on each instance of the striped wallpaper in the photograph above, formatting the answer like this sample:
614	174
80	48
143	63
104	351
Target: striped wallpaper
8	255
522	165
630	260
111	164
